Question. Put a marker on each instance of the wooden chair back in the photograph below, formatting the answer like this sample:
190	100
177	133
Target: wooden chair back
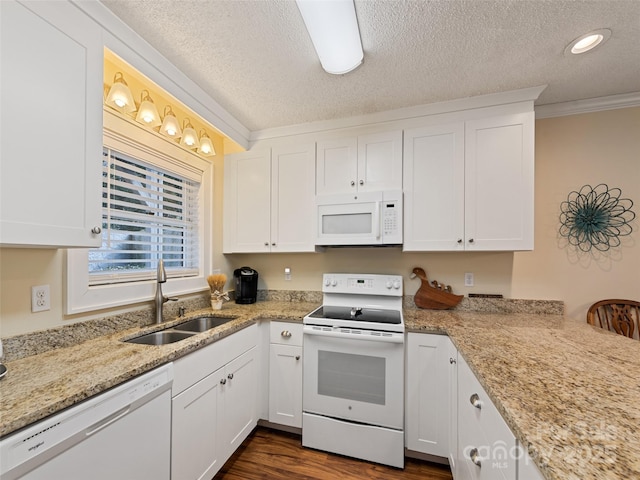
620	316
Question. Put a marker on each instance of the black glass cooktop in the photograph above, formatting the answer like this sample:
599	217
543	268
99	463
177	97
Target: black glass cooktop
358	314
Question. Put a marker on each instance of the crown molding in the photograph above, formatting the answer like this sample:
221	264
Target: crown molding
576	107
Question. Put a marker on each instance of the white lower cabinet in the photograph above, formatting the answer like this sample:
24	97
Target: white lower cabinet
431	382
486	446
527	470
214	404
285	374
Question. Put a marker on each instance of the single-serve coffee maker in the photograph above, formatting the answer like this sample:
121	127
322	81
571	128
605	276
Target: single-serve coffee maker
246	279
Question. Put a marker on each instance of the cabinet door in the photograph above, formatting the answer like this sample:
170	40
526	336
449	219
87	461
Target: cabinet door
240	397
434	188
247	202
380	161
499	176
285	385
337	166
429	406
196	414
51	130
453	405
527	470
293	221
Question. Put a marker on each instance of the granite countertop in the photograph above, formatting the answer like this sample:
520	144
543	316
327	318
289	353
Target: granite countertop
569	392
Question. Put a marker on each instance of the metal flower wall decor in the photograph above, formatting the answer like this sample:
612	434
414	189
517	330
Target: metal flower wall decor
596	217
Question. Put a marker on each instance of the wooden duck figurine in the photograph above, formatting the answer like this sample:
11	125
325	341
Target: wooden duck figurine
437	297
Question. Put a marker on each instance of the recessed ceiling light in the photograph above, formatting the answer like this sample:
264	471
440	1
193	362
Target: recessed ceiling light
588	42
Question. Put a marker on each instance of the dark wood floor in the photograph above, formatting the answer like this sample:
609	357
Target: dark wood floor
270	454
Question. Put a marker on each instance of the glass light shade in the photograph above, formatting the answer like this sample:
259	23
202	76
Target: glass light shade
189	135
148	113
170	125
206	145
119	96
333	28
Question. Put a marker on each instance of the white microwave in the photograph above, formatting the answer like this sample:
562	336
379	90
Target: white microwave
368	218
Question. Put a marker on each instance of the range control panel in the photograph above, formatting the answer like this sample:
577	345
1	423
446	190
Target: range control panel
362	284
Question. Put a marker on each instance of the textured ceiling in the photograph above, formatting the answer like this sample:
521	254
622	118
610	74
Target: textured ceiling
255	57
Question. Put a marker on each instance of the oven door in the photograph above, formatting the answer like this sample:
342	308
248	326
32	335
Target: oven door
355	375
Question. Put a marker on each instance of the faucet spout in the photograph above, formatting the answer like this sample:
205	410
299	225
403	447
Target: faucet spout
160	299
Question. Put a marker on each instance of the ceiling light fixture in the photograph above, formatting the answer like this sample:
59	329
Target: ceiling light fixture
206	146
170	125
189	135
119	96
148	113
333	28
588	41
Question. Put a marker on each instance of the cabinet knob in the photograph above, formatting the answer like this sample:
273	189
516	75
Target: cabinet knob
223	381
459	240
297	357
273	244
471	240
452	360
266	244
475	401
230	376
353	183
96	230
361	182
475	458
286	333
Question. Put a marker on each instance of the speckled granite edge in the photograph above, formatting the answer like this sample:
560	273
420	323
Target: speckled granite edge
34	343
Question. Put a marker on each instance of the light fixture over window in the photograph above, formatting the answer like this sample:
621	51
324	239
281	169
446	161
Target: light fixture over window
206	146
148	113
189	135
588	42
170	125
119	96
333	28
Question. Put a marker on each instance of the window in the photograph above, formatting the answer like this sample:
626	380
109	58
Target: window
157	203
147	214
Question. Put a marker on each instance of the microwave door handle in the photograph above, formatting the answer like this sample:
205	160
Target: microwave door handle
376	220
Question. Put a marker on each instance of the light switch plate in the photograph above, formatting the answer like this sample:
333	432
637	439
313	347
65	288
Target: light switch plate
468	279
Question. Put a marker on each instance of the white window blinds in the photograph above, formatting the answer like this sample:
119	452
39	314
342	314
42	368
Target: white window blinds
147	213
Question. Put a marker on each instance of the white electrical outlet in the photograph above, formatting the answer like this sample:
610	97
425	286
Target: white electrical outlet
287	273
468	279
40	298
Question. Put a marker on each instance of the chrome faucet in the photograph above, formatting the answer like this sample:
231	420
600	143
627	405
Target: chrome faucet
160	299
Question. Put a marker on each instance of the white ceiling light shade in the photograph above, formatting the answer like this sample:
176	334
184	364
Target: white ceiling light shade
170	125
189	135
119	96
333	28
147	112
588	41
206	145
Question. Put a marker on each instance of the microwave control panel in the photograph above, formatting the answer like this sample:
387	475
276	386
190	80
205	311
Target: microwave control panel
392	221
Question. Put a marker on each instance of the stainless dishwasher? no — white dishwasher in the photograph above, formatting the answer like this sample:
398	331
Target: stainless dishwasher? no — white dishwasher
124	433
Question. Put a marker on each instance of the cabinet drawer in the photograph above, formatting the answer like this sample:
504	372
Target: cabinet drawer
285	333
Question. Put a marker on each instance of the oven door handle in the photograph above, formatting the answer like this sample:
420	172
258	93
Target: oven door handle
392	338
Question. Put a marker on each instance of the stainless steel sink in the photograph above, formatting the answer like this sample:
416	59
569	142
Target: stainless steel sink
201	324
161	338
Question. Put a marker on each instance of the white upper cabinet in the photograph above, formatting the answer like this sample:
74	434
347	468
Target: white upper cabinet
366	163
469	185
51	131
269	199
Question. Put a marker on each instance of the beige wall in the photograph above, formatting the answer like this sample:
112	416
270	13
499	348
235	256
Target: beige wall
571	151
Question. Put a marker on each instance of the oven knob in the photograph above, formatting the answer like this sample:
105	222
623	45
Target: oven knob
327	282
396	284
334	282
389	284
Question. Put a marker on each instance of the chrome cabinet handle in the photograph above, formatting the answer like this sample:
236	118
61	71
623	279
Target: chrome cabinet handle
96	230
297	357
471	240
352	183
361	182
452	360
286	333
223	381
230	376
475	458
475	401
